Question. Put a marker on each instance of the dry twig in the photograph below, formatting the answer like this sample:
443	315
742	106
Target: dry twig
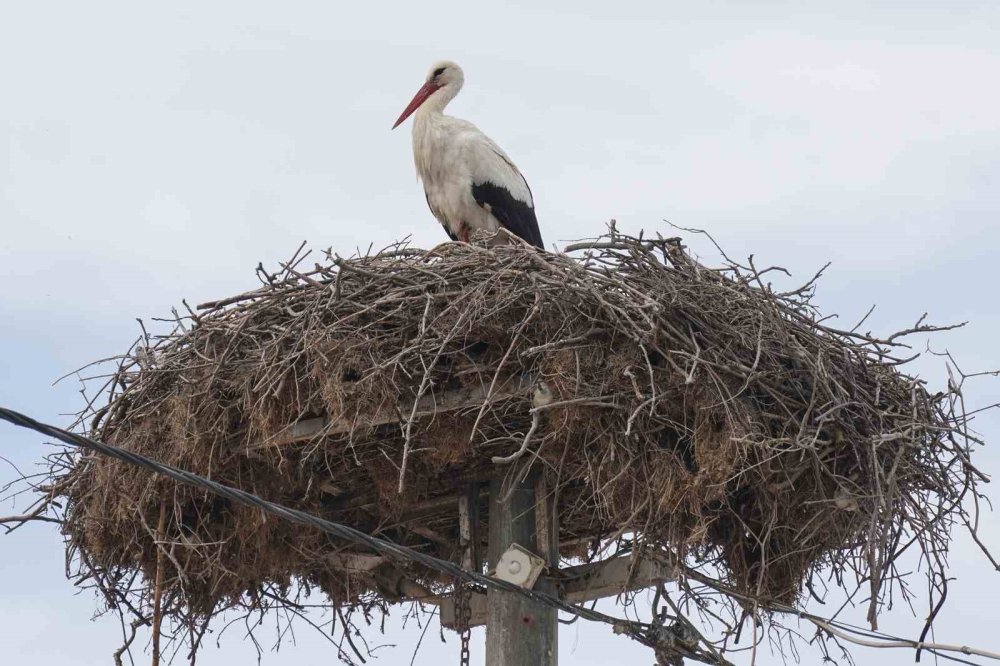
697	409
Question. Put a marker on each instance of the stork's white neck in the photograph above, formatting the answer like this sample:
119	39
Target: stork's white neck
435	103
428	122
431	132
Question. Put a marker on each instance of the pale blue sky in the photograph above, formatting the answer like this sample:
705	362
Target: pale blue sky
158	151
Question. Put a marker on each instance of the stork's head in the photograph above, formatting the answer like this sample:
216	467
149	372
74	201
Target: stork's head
444	80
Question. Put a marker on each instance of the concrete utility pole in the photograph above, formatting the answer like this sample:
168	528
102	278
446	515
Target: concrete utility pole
520	632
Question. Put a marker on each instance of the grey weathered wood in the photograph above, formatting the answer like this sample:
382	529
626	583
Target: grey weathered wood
519	632
355	562
429	534
465	531
474	492
546	526
585	582
613	577
468	527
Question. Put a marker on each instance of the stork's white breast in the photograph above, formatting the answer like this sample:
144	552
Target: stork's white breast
452	155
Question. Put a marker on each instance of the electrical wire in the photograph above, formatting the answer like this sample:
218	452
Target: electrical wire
647	634
644	633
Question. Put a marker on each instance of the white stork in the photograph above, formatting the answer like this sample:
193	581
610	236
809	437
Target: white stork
469	182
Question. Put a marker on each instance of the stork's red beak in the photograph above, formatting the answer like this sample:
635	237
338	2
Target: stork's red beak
425	91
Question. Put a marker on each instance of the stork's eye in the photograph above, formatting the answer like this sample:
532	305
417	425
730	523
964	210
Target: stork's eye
439	71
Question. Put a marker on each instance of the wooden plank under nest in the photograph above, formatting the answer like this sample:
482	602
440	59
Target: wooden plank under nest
355	562
506	388
585	582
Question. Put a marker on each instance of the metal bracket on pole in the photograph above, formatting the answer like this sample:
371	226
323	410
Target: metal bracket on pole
520	566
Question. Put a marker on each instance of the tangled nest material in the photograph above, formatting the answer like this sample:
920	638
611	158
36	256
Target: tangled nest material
690	412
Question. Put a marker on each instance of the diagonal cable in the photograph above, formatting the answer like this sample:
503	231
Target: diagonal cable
641	632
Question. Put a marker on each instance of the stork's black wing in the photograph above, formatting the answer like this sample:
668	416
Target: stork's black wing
516	216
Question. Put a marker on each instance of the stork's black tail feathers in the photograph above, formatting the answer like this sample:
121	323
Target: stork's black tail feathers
515	216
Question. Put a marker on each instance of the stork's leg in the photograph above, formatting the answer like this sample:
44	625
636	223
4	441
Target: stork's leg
463	232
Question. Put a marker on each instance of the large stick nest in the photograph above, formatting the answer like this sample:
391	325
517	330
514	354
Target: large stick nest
696	409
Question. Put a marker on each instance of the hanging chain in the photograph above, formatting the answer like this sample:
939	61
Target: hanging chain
463	614
468	518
